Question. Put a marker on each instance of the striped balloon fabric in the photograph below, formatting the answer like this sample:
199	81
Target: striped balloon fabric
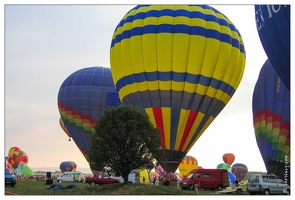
82	98
182	64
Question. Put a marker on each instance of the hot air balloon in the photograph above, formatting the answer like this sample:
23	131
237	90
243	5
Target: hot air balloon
271	120
273	26
228	158
64	128
27	171
182	64
239	170
231	177
7	165
74	165
17	157
224	166
82	98
187	164
66	166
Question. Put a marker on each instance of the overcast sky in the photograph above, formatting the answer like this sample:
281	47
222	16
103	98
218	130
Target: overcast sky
44	44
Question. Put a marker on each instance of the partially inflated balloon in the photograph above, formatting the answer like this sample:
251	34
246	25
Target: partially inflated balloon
182	64
228	158
187	164
239	170
273	26
231	177
27	171
82	99
17	157
271	119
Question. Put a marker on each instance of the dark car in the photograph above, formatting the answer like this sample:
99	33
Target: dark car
10	178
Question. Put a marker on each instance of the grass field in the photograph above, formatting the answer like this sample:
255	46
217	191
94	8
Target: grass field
39	188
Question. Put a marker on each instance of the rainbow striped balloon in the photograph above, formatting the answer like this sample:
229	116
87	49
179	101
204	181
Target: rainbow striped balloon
182	64
82	98
271	119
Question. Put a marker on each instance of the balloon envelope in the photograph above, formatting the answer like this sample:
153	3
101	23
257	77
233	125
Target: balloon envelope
182	64
66	166
64	128
187	164
239	170
74	165
273	26
228	158
27	171
17	157
7	165
82	99
224	166
231	177
271	119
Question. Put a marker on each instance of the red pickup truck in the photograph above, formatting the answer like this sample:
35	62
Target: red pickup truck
100	179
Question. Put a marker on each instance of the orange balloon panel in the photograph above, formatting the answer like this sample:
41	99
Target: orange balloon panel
187	164
228	158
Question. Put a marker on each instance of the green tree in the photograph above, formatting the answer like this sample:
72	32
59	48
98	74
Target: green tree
124	139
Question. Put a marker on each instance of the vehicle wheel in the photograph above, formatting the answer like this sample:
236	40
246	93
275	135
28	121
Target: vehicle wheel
76	181
92	183
266	192
239	191
191	187
219	188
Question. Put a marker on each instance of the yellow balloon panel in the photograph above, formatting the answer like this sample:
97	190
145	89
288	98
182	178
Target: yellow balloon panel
187	165
181	63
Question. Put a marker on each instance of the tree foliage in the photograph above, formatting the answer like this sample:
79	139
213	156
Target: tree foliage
124	139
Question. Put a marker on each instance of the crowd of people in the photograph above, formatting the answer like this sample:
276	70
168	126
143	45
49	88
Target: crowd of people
34	178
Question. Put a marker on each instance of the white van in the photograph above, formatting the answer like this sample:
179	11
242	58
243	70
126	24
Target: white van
70	177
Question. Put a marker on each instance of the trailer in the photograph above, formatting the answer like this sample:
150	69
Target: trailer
230	190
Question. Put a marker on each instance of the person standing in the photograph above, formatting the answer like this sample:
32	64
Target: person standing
196	183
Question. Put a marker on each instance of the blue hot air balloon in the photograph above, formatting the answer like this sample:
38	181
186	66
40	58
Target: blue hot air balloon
181	64
273	26
82	98
231	177
66	166
271	119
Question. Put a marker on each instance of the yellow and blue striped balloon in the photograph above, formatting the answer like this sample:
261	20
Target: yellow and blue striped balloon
182	64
